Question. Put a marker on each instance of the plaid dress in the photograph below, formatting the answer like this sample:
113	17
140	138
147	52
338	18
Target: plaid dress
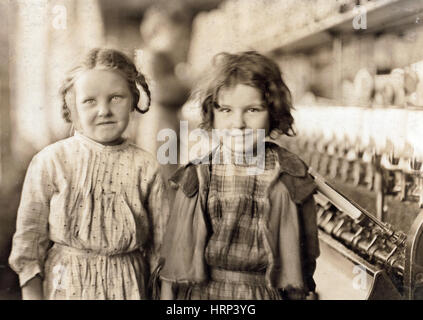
235	252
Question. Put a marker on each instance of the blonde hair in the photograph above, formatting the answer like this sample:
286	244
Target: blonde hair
108	59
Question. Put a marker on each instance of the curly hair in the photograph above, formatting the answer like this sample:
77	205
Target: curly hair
253	69
107	59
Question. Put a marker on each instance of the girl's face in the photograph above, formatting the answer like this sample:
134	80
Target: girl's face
241	107
103	102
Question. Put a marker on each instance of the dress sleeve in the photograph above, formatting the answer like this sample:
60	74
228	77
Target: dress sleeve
187	232
158	207
301	190
183	249
31	240
309	240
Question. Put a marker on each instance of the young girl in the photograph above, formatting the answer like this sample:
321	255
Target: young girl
233	234
93	206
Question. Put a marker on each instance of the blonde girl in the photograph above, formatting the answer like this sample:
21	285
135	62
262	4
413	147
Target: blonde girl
93	206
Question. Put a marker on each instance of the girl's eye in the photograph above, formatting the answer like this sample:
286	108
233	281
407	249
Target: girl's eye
224	110
253	110
117	98
88	101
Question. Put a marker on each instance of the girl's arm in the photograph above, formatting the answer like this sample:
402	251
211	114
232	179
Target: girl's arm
30	241
310	240
158	207
33	289
167	291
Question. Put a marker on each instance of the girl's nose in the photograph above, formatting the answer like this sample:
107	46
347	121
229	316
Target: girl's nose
238	121
104	109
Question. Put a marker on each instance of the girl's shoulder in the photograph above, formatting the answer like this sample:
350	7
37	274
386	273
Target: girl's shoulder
71	146
186	178
144	163
294	175
189	176
60	148
142	156
47	159
289	162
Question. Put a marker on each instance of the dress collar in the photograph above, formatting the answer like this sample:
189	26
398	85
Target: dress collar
289	162
98	146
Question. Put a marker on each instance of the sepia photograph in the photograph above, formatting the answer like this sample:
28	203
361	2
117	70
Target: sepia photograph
211	150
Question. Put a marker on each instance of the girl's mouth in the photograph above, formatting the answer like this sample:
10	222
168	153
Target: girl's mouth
240	133
105	123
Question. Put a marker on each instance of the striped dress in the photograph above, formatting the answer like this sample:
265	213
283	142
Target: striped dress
90	220
235	252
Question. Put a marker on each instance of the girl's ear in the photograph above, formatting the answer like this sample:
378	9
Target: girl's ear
71	106
75	120
274	134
